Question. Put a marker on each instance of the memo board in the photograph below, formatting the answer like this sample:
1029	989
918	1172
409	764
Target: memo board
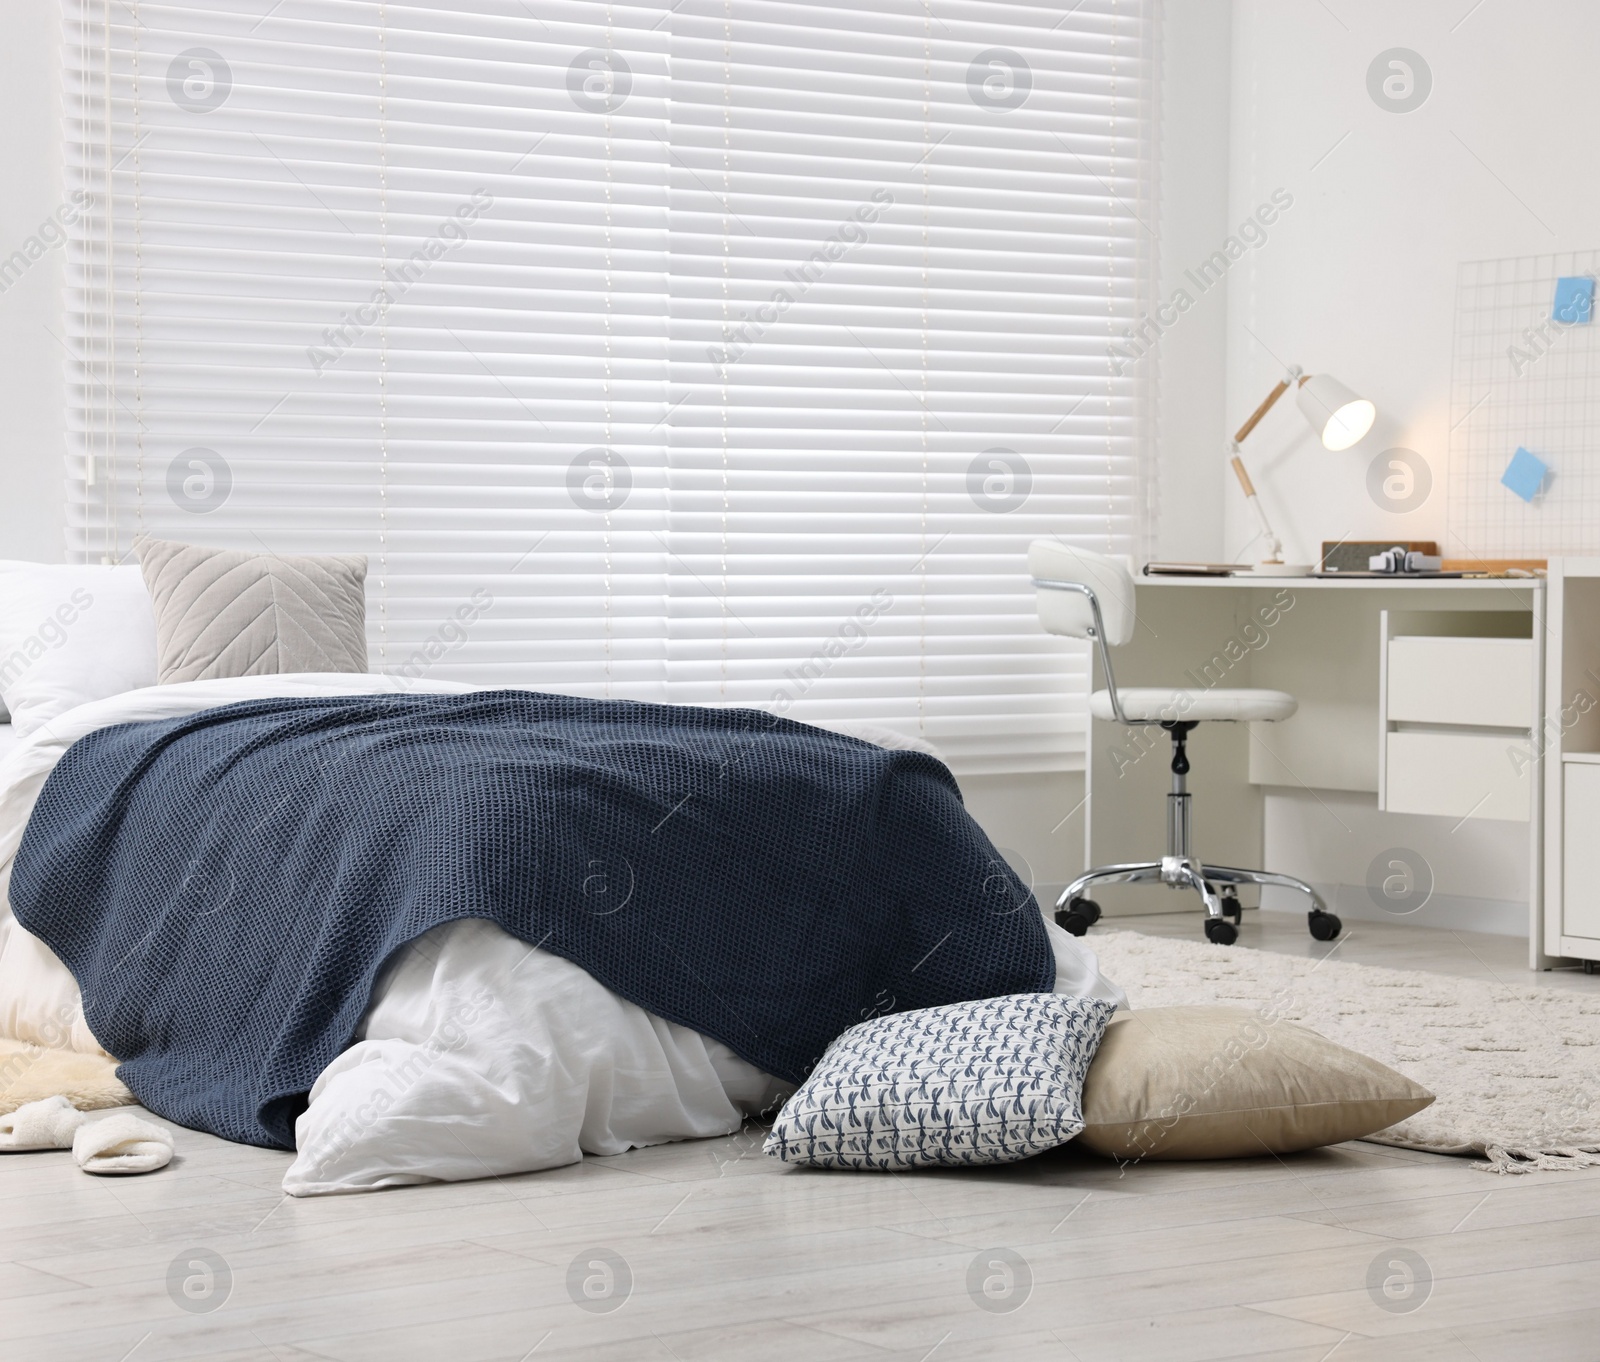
1520	378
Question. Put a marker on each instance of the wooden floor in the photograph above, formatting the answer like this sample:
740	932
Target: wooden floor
709	1250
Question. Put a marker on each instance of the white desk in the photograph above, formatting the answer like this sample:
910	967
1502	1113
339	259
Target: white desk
1326	642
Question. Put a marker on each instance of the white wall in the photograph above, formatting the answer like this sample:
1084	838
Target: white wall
1192	353
32	324
1036	821
1479	866
1358	279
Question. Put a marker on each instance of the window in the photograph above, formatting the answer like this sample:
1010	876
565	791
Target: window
725	353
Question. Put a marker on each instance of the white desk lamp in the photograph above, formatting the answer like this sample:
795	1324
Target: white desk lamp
1340	419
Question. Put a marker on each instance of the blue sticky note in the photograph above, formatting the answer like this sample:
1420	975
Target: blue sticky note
1525	474
1574	300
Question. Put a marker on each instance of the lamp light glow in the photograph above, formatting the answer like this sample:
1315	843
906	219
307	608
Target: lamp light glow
1338	416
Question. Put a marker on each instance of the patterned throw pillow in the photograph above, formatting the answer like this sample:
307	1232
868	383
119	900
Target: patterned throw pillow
990	1081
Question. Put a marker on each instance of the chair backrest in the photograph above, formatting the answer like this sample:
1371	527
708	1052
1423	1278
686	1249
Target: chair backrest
1067	612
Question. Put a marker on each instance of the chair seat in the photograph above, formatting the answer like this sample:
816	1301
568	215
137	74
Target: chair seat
1168	704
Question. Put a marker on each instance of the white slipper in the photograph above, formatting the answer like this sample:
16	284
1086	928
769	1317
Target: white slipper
121	1144
49	1123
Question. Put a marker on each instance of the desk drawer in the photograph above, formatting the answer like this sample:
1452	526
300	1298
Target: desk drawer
1487	681
1456	775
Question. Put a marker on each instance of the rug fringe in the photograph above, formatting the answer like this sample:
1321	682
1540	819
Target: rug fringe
1502	1160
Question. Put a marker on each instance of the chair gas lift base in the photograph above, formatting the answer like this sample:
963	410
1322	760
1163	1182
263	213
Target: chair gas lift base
1217	885
1071	583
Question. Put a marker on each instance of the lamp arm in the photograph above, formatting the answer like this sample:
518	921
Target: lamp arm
1267	403
1266	406
1274	544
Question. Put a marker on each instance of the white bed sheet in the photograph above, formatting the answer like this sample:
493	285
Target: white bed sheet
481	1056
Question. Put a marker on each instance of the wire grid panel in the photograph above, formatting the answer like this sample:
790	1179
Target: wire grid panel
1521	377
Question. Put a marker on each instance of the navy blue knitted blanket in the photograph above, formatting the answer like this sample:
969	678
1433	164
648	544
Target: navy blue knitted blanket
226	887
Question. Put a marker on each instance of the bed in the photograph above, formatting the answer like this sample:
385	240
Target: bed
477	1052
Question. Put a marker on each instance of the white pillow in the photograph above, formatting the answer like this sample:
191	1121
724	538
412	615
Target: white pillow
991	1081
11	565
71	634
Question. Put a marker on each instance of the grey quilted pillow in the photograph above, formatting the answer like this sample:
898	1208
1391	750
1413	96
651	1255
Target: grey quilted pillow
990	1081
224	612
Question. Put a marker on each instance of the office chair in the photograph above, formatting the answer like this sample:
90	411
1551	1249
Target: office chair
1083	594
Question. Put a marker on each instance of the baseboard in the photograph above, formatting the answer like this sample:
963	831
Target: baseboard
1462	912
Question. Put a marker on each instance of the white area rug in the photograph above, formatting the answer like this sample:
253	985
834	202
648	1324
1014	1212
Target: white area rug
1515	1067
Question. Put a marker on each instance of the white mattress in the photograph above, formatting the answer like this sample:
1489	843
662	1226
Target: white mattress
480	1056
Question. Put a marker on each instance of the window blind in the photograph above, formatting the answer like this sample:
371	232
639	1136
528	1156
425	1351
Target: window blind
901	239
385	278
728	352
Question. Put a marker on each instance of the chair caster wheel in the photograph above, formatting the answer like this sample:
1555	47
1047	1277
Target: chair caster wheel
1087	909
1232	908
1073	923
1324	926
1589	966
1220	931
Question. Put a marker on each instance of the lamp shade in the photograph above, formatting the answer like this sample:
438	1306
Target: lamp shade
1338	416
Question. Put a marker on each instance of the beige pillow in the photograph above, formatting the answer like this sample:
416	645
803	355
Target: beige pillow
1226	1082
224	612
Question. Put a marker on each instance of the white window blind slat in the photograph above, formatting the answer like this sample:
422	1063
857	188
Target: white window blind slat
425	282
881	283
